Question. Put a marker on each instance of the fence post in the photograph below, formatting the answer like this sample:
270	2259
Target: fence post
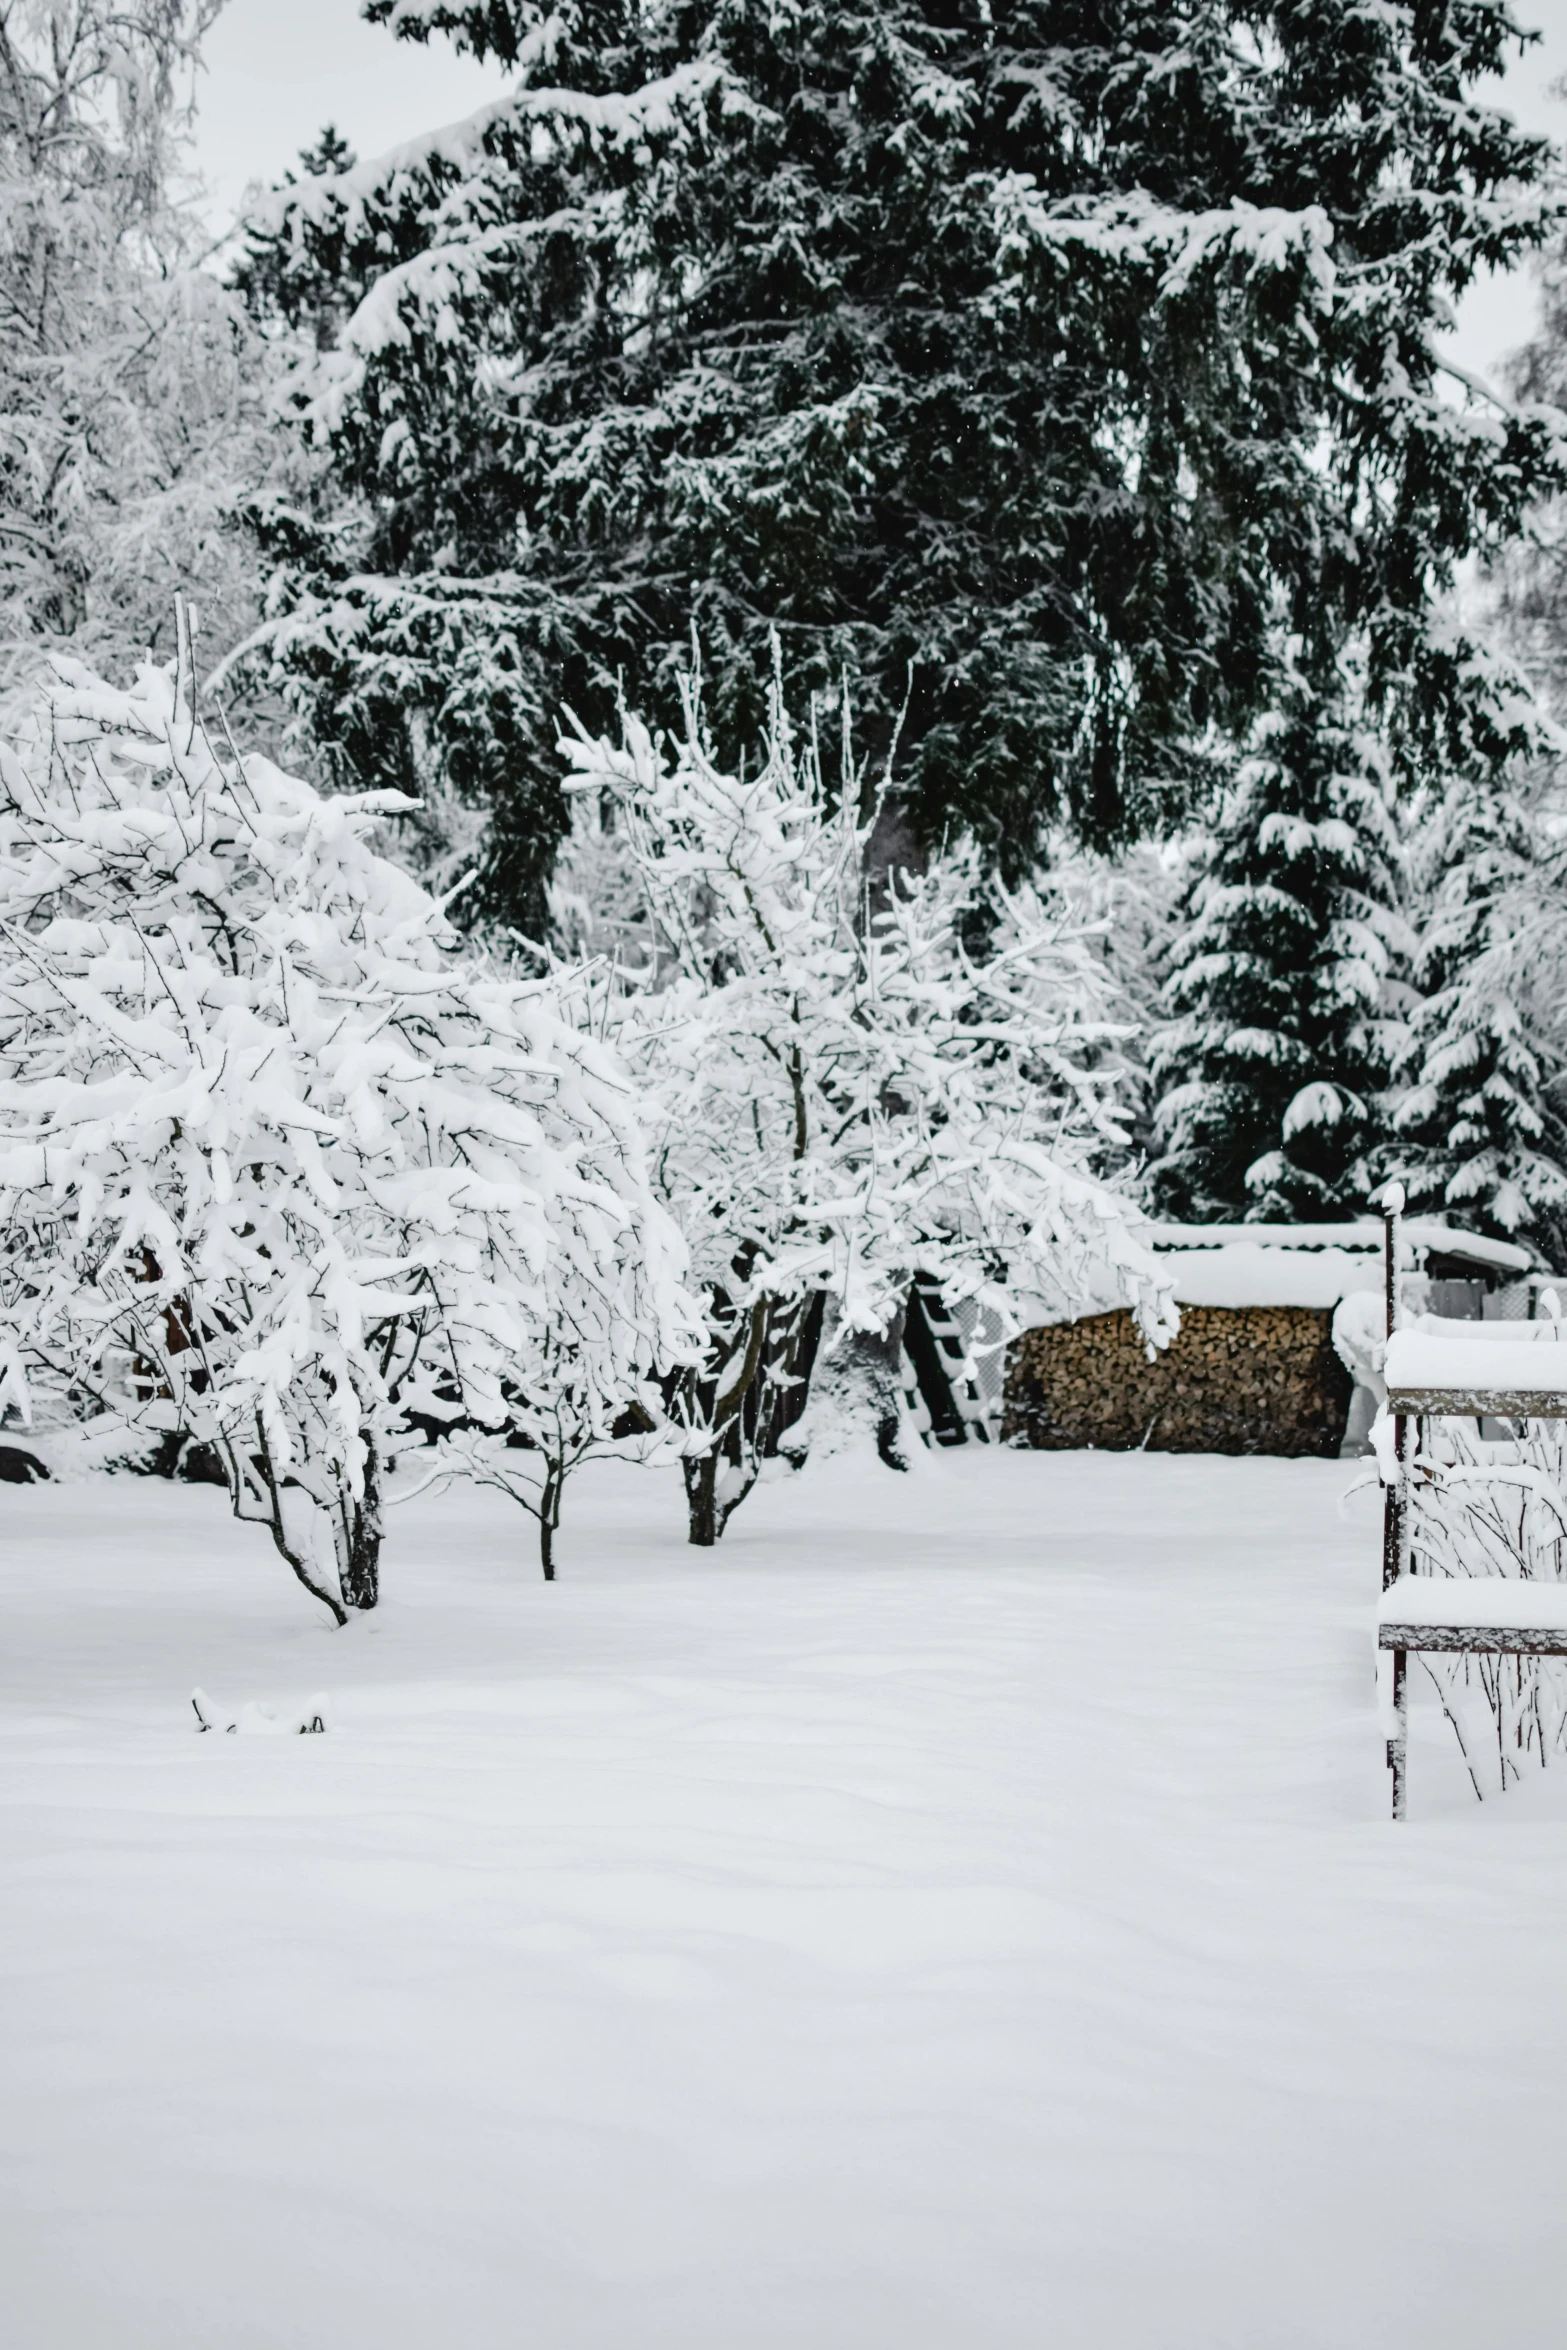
1395	1505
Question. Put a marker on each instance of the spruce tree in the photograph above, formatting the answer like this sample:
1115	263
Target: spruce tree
1283	1030
1021	359
1476	1134
273	277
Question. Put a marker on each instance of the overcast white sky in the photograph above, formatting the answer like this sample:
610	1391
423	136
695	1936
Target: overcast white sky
277	70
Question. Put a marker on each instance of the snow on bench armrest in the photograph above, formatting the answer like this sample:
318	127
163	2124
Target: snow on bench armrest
1419	1363
1475	1600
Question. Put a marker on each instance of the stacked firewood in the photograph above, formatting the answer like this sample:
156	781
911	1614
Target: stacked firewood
1238	1379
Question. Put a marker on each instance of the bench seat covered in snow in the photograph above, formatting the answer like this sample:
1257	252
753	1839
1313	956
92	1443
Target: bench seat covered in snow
1508	1375
1489	1612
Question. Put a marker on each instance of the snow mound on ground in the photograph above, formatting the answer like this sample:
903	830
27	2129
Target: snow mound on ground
260	1721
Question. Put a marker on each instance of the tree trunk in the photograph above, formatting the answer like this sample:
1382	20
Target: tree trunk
360	1568
885	1365
856	1394
783	1404
549	1519
701	1499
276	1523
166	1459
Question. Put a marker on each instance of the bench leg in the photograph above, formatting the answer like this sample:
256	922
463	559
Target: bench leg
1397	1745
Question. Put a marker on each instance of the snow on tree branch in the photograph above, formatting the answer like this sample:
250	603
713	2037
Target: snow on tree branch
843	1095
276	1163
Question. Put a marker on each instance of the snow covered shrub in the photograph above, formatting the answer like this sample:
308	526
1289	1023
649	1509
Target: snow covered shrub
843	1095
1127	907
597	905
276	1165
581	1376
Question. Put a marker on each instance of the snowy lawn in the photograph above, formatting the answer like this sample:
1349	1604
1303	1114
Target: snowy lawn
960	1911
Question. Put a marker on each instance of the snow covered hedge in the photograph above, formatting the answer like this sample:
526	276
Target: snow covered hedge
276	1163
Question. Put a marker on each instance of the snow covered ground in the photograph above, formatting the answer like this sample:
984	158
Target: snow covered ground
958	1913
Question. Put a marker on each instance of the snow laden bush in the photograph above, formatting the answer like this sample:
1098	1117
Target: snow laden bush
276	1166
843	1095
581	1376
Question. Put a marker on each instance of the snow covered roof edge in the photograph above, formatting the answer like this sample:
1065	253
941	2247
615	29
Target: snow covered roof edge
1365	1232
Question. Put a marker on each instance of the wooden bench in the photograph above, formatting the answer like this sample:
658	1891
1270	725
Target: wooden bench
1490	1614
1501	1375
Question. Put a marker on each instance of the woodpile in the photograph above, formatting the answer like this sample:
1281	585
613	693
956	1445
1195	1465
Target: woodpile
1238	1379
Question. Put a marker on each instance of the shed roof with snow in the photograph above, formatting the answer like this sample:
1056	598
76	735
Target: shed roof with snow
1305	1264
1317	1264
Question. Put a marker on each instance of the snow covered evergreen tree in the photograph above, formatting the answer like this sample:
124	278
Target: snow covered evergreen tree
1476	1134
1283	1030
269	275
1018	362
841	1096
278	1166
1486	1118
